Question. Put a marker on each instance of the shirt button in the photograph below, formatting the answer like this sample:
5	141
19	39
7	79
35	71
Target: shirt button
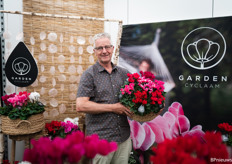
118	116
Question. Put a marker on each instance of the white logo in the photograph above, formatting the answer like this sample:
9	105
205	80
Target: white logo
203	48
21	66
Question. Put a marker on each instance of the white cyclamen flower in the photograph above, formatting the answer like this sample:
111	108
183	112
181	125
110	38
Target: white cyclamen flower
141	109
34	96
74	121
68	119
24	162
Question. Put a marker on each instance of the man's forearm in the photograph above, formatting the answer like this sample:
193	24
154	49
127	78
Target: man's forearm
86	106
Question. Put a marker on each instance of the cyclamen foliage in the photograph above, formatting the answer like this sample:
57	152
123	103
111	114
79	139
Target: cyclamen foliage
189	149
70	149
226	129
21	105
60	129
143	90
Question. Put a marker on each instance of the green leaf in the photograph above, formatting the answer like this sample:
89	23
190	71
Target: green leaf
62	133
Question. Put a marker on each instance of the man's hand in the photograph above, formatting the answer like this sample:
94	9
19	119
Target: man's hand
121	109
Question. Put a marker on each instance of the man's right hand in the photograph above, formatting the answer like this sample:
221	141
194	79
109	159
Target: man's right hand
121	109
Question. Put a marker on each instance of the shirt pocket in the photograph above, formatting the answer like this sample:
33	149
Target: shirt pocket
102	94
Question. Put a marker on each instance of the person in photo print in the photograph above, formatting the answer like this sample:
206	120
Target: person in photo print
98	97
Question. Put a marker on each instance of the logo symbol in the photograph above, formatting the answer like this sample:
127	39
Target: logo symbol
21	66
203	48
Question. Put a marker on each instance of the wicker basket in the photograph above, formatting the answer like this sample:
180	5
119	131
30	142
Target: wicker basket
33	124
147	117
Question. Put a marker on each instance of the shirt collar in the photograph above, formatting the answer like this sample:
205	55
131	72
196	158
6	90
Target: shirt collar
100	68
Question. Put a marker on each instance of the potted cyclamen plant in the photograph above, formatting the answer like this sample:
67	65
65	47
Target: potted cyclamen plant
61	128
22	113
144	95
226	129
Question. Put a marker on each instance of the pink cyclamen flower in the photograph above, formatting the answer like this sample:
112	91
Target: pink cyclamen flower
93	145
18	100
171	125
75	153
69	126
70	149
128	88
104	147
142	135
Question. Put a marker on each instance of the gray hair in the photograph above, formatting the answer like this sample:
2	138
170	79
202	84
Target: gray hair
101	35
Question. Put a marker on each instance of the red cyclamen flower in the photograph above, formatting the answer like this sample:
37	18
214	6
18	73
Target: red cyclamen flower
225	127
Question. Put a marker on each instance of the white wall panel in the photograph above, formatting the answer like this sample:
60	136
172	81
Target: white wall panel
166	10
116	9
145	11
222	8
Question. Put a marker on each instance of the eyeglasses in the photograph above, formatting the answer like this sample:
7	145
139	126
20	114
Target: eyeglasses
100	48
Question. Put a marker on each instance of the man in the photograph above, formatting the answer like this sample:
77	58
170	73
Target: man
146	65
97	96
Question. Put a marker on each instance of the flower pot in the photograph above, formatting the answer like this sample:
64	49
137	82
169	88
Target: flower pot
33	124
229	149
147	117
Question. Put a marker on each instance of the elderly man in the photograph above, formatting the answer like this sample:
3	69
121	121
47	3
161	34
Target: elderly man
97	96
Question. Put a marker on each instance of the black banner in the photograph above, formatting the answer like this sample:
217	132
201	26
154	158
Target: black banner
196	55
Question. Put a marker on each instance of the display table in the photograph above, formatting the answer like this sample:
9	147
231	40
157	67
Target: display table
25	138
